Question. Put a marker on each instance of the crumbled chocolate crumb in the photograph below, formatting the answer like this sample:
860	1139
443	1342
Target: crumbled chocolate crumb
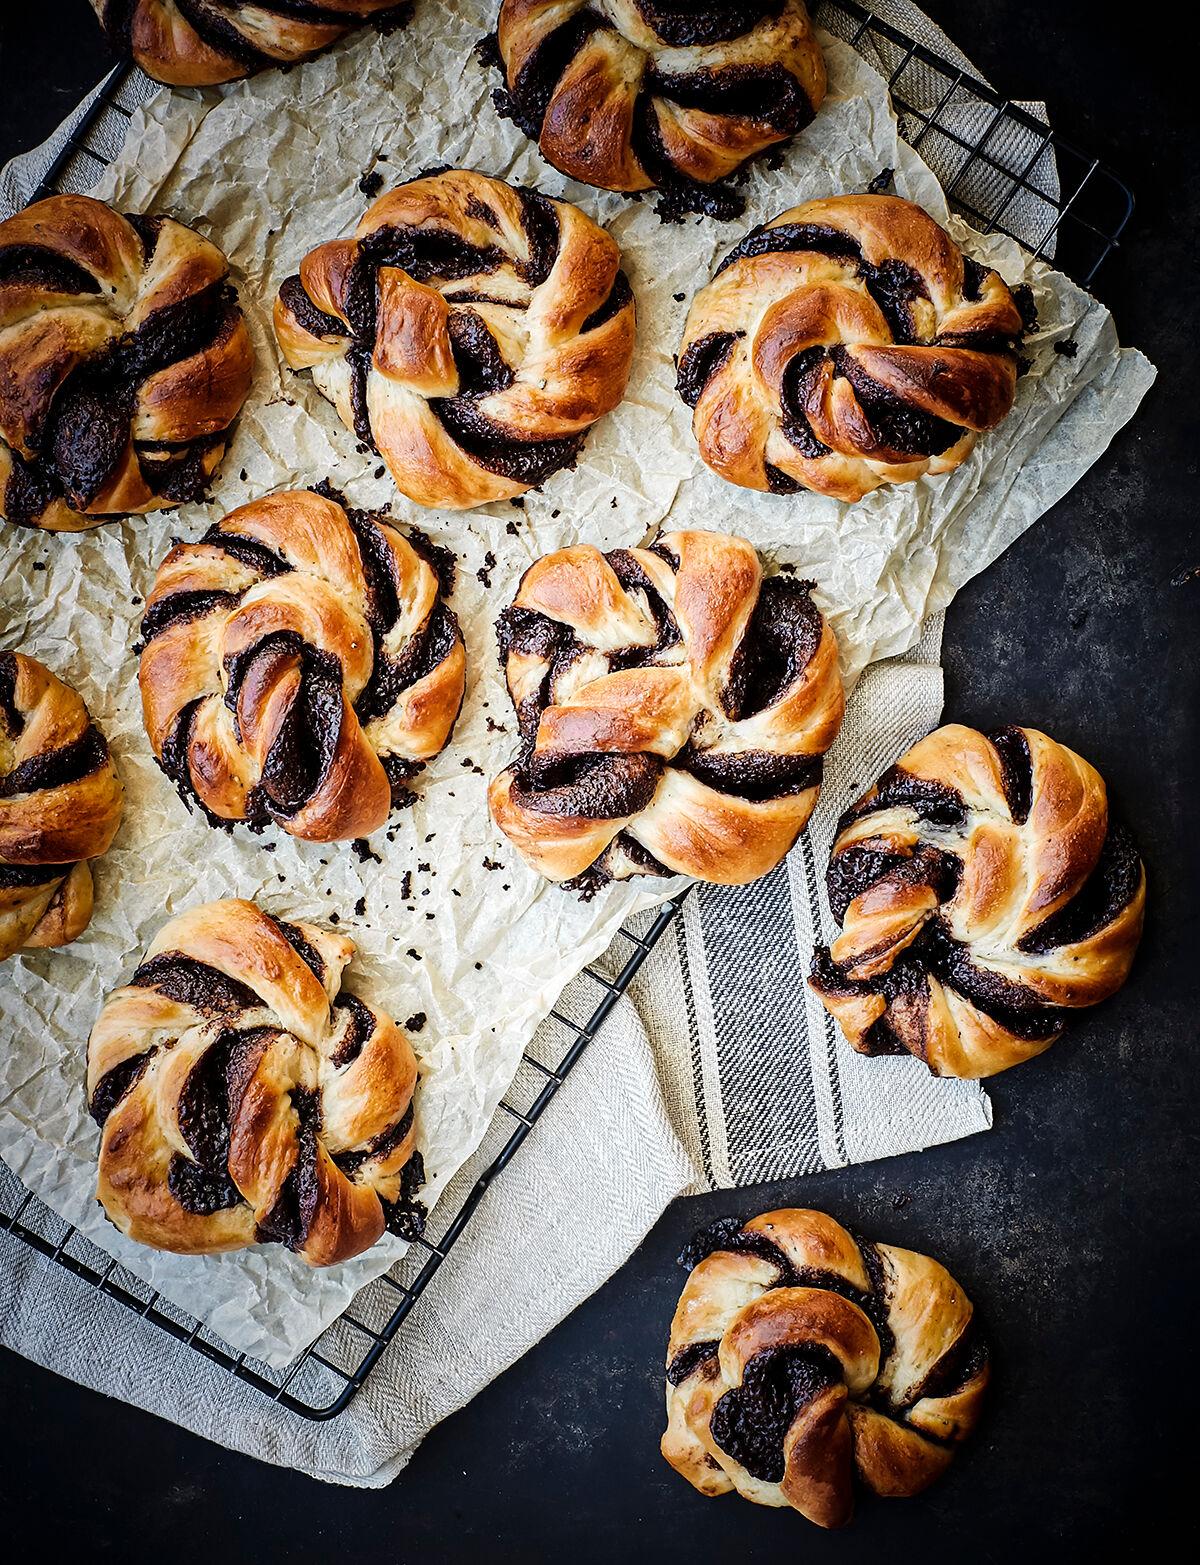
1068	347
416	955
492	864
679	297
380	471
882	182
518	501
511	529
371	183
406	886
416	1021
364	851
484	573
360	907
335	918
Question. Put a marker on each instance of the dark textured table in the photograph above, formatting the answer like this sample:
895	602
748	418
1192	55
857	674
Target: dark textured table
1073	1222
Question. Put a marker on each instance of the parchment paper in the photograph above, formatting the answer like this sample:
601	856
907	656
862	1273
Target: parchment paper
268	168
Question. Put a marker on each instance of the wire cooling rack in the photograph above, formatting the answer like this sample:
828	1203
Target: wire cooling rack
1004	170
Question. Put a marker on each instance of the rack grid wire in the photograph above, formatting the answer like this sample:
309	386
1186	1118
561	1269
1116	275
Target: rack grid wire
1004	171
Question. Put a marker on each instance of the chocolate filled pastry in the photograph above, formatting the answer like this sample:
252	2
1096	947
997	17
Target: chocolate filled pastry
244	1098
675	704
300	665
636	94
471	332
984	893
60	805
124	359
803	1360
846	344
199	43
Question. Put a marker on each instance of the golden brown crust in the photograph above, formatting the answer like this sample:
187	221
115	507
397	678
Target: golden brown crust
60	805
984	893
299	665
844	345
124	359
205	42
673	712
472	332
629	94
802	1359
241	1098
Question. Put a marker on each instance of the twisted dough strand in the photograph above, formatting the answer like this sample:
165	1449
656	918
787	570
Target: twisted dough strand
846	344
984	893
300	665
124	359
633	94
801	1358
471	332
243	1098
674	709
60	805
199	43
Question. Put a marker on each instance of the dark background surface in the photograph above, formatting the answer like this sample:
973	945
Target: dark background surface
1072	1224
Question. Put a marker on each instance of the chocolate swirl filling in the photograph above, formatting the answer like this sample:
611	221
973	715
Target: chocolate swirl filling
768	95
218	27
83	432
934	953
200	1181
436	256
780	641
901	432
306	739
750	1423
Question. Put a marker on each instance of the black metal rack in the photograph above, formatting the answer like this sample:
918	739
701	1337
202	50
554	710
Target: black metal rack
1003	170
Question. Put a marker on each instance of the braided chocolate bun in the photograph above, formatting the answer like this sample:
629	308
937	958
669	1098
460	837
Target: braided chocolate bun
471	333
675	705
124	359
984	893
60	805
199	43
633	94
244	1099
802	1358
300	665
846	344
